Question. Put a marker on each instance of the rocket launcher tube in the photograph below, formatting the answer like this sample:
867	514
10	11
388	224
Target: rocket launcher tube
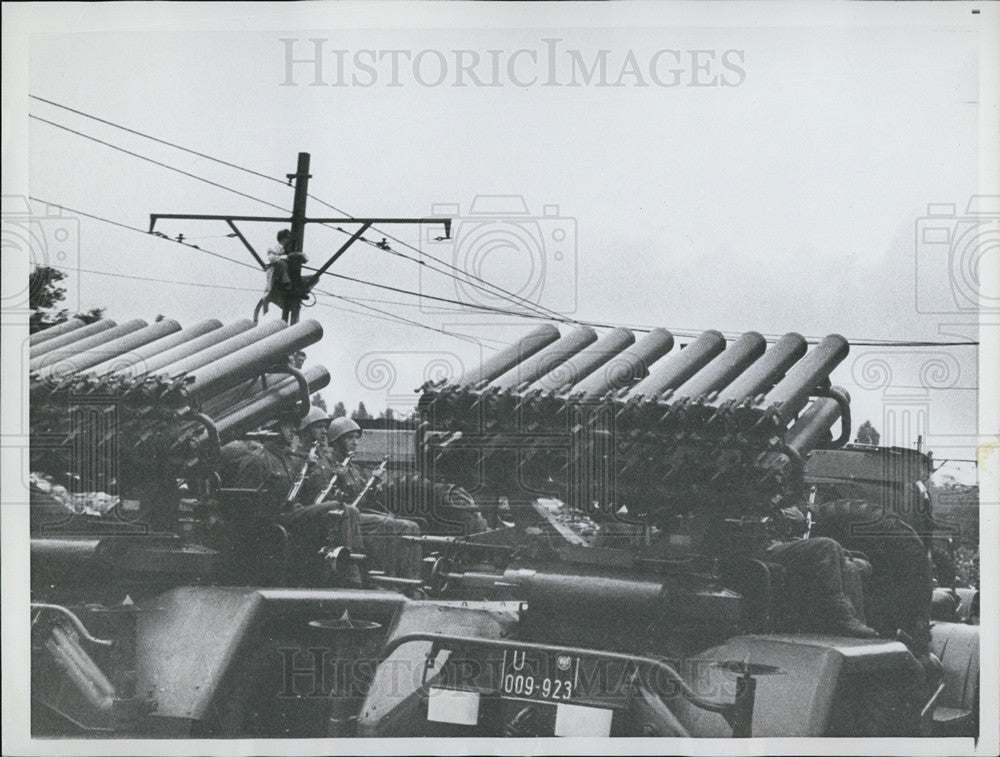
53	331
585	362
766	371
133	363
813	426
725	367
225	402
122	345
679	367
790	395
252	360
626	367
546	359
221	349
265	405
62	340
83	345
508	357
187	349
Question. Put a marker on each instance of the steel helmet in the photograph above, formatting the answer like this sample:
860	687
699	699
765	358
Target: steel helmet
315	415
341	426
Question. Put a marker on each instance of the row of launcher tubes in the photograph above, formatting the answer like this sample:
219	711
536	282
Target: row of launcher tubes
206	368
216	363
774	384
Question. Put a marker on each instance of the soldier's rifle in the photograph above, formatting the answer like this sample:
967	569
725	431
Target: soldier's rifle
297	486
376	474
321	497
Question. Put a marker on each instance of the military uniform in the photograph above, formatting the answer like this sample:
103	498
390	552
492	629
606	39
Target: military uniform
380	531
446	509
822	585
272	469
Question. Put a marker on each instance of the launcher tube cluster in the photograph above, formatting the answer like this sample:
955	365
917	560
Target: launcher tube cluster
613	422
159	395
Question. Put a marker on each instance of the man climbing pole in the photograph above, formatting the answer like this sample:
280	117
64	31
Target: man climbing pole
284	280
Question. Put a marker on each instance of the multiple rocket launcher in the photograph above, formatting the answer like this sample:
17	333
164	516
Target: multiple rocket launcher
142	392
598	421
618	421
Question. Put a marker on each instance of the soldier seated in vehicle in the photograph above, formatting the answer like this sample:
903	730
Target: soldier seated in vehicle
380	530
822	584
441	508
274	469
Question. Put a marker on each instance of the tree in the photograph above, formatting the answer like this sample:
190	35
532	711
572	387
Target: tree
361	414
388	415
44	294
318	401
867	434
339	411
91	316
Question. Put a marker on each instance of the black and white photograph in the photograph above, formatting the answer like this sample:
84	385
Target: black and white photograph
502	378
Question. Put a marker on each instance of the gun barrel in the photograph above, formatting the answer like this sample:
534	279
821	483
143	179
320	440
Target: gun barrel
39	337
724	367
546	359
627	367
79	346
585	362
679	367
251	360
181	351
57	341
133	363
813	426
790	394
510	356
221	349
267	404
765	371
83	361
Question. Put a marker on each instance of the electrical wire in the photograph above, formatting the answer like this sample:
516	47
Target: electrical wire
386	315
687	333
465	275
157	162
157	139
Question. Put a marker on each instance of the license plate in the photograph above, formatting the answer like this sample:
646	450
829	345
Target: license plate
541	675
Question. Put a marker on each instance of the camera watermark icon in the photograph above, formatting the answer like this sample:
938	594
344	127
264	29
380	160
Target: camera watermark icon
954	252
504	256
33	240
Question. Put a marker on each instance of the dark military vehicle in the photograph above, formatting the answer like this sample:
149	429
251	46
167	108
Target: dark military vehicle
162	604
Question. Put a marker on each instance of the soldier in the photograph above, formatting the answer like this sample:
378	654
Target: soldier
380	531
822	584
273	469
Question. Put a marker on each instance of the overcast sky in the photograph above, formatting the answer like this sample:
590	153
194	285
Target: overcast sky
762	172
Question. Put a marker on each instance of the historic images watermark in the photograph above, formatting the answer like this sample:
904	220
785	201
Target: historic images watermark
501	255
549	62
36	239
953	250
318	672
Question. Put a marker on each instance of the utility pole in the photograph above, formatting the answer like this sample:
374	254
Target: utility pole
301	178
291	301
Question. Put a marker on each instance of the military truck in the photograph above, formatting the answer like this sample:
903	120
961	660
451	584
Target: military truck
162	604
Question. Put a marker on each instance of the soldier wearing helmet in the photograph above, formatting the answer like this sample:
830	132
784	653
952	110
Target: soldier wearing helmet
380	531
273	468
445	509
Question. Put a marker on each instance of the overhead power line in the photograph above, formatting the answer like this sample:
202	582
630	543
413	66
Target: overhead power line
535	313
385	315
466	277
157	162
681	332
